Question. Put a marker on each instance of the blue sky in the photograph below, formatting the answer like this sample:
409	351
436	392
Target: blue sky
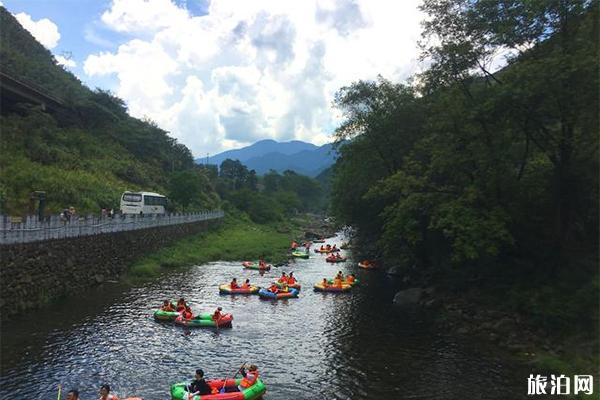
222	74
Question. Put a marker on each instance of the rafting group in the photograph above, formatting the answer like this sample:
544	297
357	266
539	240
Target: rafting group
181	313
248	387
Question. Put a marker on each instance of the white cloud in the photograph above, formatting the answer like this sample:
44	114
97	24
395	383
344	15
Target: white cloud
44	30
143	15
67	62
253	69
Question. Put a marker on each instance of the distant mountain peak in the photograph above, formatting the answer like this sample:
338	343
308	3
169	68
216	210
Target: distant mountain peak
264	155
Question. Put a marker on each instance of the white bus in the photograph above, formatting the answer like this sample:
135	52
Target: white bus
143	203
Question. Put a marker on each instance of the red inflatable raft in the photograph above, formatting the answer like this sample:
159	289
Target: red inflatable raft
334	259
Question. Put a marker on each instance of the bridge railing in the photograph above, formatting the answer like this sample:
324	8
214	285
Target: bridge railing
31	229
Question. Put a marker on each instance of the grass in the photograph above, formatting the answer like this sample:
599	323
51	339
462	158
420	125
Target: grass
236	240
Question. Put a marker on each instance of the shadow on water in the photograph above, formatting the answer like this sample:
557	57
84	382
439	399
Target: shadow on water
319	346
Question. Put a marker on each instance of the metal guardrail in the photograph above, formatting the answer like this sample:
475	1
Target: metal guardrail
30	229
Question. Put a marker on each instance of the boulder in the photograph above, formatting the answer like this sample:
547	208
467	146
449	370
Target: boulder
408	297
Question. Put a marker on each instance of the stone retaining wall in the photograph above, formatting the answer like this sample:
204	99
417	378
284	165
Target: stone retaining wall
31	274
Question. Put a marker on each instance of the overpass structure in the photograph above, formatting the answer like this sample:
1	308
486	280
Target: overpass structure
13	91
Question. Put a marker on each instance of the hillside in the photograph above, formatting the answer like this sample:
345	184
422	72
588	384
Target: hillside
87	154
265	155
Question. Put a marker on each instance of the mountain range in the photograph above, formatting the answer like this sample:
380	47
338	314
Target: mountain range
264	155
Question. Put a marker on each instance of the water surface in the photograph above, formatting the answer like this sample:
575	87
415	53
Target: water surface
319	346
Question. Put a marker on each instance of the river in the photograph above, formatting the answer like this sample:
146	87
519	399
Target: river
318	346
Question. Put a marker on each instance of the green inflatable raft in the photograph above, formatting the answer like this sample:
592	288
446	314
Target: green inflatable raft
254	392
299	254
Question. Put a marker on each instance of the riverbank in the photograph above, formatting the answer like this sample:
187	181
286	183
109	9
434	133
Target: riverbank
238	238
531	336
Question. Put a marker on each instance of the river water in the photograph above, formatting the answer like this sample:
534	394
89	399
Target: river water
318	346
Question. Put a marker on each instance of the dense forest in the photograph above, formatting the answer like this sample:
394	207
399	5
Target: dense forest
468	174
90	151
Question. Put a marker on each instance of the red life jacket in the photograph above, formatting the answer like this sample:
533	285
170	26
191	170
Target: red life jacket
234	285
283	279
216	316
249	379
187	315
291	280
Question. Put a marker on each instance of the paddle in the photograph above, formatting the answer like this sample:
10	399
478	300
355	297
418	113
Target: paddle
236	372
59	389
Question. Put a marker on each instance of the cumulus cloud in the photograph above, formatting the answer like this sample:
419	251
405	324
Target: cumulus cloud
67	62
43	30
250	70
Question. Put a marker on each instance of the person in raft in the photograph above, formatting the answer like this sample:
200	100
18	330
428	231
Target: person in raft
322	248
246	285
198	386
167	306
234	284
291	280
274	288
350	278
73	394
180	305
283	278
325	283
284	288
187	313
337	281
217	314
339	276
337	256
105	393
334	248
261	262
328	247
248	379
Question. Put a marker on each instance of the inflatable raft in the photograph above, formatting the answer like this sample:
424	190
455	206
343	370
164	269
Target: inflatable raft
322	251
296	286
226	289
367	265
356	281
205	321
320	288
254	392
333	259
299	254
267	294
253	265
161	315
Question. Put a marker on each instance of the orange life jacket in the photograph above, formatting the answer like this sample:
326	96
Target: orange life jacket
337	282
283	279
350	279
291	280
245	285
249	379
274	288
